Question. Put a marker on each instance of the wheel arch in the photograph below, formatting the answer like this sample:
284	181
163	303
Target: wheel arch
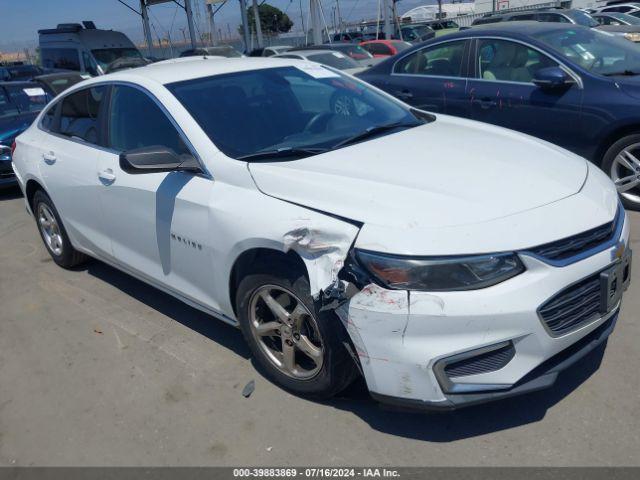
30	189
254	260
612	137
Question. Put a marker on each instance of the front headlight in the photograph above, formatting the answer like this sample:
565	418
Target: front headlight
634	37
438	274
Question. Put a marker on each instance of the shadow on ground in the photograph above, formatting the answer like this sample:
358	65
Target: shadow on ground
432	427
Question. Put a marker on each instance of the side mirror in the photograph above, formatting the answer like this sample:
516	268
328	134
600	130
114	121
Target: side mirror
552	78
157	159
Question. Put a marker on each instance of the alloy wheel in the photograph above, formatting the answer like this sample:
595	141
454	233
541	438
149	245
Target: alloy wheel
50	229
625	173
286	332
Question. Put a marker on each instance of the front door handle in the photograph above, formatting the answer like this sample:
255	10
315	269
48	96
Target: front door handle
404	94
49	158
107	177
485	103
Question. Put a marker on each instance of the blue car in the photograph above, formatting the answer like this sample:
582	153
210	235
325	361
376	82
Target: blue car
570	85
20	103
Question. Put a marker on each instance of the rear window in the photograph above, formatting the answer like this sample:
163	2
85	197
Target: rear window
333	59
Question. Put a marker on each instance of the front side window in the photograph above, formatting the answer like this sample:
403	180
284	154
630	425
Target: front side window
595	50
136	121
63	58
443	60
286	108
80	113
506	61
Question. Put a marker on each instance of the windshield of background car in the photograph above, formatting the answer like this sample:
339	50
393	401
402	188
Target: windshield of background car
105	56
355	51
307	106
594	50
584	19
26	98
629	19
333	59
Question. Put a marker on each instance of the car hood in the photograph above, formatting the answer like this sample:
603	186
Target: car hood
449	172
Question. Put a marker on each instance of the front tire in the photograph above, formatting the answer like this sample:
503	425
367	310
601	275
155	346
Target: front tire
295	346
53	233
622	164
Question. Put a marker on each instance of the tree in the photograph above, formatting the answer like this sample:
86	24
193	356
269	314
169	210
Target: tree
272	19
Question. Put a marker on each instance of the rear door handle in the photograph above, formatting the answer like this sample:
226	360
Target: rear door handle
485	103
49	158
107	177
404	94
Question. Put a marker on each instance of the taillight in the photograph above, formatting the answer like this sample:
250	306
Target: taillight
13	148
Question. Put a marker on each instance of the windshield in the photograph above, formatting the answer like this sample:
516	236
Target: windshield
333	59
584	19
23	98
105	56
302	107
354	51
594	50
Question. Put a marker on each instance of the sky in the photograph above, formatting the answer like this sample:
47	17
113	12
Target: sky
21	19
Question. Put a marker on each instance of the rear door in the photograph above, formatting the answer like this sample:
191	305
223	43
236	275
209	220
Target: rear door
68	157
432	78
501	92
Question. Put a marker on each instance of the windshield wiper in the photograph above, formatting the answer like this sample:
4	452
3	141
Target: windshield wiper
285	152
625	73
373	131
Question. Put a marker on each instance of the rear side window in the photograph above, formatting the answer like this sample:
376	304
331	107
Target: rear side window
444	60
65	58
136	121
49	117
79	116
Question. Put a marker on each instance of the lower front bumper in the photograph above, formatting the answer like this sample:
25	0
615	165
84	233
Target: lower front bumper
544	376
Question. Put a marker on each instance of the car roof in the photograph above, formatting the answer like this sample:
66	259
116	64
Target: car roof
519	29
196	67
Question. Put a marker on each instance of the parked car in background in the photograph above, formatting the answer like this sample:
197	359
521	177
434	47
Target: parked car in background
474	260
630	8
416	33
330	58
20	103
84	48
347	37
622	24
563	15
385	48
219	51
352	50
442	27
573	86
56	83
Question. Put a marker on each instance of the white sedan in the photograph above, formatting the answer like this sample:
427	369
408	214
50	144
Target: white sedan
449	262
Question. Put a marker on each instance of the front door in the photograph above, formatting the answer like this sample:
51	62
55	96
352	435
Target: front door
158	222
502	93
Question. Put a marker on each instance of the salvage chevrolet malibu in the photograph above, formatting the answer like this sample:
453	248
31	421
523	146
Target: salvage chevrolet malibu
447	261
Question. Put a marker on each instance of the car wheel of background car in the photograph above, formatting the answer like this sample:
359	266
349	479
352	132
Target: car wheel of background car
53	234
343	105
295	345
622	163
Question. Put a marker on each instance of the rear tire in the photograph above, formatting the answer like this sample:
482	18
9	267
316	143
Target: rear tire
622	164
321	366
53	234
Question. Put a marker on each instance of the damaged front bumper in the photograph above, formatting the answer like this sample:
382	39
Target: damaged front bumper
413	347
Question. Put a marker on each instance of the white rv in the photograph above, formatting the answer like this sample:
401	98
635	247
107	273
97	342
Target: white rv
84	48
